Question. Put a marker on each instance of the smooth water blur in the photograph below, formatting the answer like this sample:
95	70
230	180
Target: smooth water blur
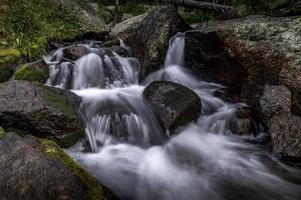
127	149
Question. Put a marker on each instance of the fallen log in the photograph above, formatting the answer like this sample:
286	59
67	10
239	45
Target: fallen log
202	5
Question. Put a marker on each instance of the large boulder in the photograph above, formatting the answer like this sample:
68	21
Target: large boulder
89	15
32	169
174	104
285	133
250	53
46	112
148	35
275	100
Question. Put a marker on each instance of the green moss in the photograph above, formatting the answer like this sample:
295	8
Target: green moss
8	59
58	101
93	188
1	132
69	139
28	25
29	73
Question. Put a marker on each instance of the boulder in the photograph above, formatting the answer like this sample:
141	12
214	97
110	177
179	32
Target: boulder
88	14
148	35
285	133
37	71
8	62
275	100
39	169
174	104
27	107
250	53
74	52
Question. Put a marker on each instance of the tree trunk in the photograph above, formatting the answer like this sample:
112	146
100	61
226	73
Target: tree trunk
202	5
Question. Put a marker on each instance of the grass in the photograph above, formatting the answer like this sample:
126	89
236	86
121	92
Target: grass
28	25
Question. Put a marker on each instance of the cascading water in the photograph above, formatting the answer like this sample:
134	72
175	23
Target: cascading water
129	152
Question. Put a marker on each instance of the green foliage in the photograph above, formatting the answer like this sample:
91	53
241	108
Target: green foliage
8	58
133	8
27	25
29	73
259	6
197	16
94	191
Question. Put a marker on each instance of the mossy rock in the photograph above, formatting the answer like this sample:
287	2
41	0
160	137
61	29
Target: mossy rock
37	72
42	170
46	112
91	185
8	60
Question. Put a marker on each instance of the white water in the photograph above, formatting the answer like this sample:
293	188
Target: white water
127	150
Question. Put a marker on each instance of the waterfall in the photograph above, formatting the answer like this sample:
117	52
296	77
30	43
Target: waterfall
126	148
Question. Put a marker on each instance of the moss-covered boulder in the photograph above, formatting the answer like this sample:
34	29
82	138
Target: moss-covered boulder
8	62
46	112
39	169
174	104
148	35
37	71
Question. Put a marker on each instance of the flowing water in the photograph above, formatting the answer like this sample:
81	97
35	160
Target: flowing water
126	148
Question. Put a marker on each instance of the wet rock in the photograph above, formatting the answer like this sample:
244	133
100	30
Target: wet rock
174	104
74	52
8	62
120	50
285	133
227	95
31	108
38	169
276	100
242	122
37	71
148	35
257	51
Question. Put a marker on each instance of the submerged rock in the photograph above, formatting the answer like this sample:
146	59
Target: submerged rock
174	104
43	111
285	133
38	169
148	35
242	122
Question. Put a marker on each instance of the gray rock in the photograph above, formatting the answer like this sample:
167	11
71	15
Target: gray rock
148	35
285	133
43	111
32	169
276	100
256	51
174	104
87	14
242	122
74	52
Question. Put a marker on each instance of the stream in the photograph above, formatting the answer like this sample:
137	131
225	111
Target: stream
126	148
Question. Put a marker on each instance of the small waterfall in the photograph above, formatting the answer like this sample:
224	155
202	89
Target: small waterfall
128	151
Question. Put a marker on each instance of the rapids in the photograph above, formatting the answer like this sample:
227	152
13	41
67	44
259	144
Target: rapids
127	150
